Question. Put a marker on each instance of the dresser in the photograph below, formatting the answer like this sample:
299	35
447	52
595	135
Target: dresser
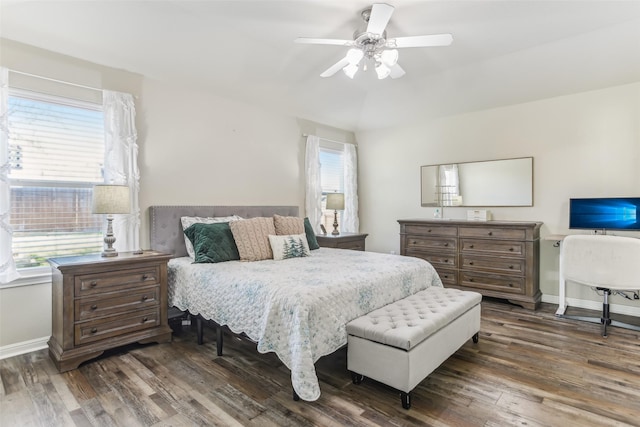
495	258
353	241
100	303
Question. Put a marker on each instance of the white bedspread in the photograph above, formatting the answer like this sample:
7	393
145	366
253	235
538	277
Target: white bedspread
297	308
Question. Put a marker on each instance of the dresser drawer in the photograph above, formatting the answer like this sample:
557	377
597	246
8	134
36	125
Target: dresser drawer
487	281
499	265
90	308
90	284
496	247
431	230
99	329
437	259
356	245
494	232
421	243
448	277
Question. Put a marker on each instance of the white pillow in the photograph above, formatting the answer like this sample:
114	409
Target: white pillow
188	221
289	246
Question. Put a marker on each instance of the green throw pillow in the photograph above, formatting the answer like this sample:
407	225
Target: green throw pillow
212	242
311	235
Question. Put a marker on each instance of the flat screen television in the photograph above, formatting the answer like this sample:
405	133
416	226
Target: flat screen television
605	213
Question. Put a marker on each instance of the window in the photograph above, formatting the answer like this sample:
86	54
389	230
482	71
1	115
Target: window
56	150
332	178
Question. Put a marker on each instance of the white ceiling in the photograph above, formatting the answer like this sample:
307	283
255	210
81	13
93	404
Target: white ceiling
503	52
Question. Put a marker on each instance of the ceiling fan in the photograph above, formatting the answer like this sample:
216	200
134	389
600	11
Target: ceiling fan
372	45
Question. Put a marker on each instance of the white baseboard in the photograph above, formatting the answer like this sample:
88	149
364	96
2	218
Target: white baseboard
594	305
23	347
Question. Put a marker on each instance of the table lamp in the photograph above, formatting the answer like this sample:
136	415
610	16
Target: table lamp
335	202
110	200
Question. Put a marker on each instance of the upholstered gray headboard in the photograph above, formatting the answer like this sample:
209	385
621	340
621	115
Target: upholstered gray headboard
165	232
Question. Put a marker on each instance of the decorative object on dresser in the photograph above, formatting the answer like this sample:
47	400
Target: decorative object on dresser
496	258
353	241
110	199
335	202
101	303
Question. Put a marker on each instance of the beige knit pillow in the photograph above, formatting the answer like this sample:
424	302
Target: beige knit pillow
288	225
252	238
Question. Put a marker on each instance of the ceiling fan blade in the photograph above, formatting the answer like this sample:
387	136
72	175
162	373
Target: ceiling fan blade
336	42
396	72
421	41
380	15
335	67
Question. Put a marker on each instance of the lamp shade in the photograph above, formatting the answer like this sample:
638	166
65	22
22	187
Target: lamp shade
335	201
111	199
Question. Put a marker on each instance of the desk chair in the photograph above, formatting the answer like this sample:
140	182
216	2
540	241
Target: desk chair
609	264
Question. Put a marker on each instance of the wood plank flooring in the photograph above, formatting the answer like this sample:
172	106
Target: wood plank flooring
529	368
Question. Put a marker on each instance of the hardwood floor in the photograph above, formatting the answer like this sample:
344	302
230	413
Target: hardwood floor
529	368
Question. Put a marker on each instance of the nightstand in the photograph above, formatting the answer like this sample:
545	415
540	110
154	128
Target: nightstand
353	241
100	303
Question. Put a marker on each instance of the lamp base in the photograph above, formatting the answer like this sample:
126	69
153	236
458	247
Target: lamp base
107	253
335	231
109	239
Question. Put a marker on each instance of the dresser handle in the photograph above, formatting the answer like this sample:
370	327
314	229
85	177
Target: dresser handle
446	244
93	284
491	233
446	260
429	231
511	267
94	330
470	246
144	319
144	297
145	276
446	276
511	285
471	280
93	307
511	249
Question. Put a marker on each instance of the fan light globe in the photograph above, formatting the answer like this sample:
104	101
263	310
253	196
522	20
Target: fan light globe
354	56
389	57
383	71
350	70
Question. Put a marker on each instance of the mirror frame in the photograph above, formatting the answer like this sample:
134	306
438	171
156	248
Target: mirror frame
528	201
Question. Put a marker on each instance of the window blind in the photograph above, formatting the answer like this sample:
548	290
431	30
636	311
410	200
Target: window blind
56	150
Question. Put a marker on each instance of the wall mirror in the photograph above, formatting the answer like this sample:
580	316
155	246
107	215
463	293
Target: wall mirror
506	182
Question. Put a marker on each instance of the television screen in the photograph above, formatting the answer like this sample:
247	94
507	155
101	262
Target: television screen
610	213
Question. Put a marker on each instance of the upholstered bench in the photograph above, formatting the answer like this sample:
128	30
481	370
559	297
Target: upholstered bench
403	342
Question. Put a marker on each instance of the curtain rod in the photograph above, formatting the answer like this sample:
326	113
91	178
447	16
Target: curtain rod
331	140
56	80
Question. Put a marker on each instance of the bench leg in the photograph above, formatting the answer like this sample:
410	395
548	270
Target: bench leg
219	339
295	396
356	378
405	398
199	329
475	338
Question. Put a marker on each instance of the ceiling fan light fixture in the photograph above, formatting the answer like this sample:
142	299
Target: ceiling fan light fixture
382	71
354	56
389	57
350	70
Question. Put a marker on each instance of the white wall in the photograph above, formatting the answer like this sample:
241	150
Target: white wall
584	145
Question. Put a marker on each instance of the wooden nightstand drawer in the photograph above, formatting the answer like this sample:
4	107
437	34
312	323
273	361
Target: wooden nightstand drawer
112	281
90	308
354	241
108	327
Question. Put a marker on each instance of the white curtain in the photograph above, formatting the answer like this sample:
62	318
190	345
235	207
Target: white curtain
313	189
121	163
8	271
350	221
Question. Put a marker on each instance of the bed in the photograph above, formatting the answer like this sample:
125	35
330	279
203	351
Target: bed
296	308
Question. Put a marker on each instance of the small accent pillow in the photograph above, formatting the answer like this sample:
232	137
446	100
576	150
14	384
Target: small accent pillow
311	235
287	225
252	237
188	221
212	242
290	246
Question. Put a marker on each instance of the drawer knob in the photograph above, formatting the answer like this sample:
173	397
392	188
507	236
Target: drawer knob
471	263
446	244
511	285
93	284
511	267
94	307
511	249
470	246
471	280
144	297
144	319
491	233
94	330
145	276
446	276
429	231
